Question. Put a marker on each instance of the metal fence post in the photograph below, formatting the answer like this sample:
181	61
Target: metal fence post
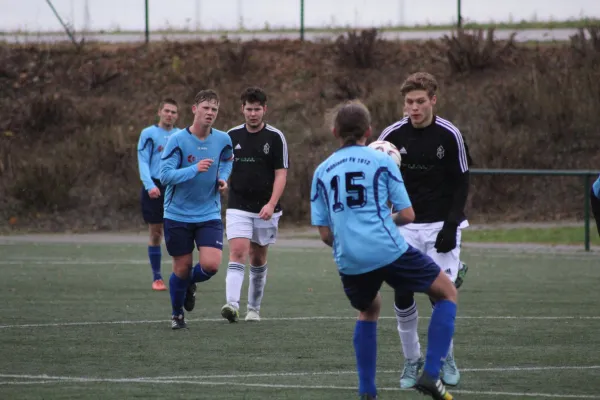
147	23
586	210
459	12
302	20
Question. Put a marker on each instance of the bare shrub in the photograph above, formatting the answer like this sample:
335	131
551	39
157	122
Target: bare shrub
470	52
358	50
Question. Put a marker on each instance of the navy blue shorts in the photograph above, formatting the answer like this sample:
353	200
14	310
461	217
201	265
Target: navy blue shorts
180	236
152	209
414	271
596	210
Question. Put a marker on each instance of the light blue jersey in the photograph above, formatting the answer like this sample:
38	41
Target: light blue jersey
596	187
349	194
193	196
153	140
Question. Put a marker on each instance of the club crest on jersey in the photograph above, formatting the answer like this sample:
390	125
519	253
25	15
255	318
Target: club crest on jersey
266	148
440	152
160	148
191	159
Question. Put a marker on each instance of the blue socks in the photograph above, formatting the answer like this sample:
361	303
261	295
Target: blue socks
365	347
155	257
441	330
177	289
200	275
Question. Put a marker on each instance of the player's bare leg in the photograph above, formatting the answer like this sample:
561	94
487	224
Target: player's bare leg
258	280
154	253
238	253
207	267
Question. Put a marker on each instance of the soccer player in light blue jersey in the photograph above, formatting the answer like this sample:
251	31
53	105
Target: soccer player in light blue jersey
351	196
596	202
153	140
195	166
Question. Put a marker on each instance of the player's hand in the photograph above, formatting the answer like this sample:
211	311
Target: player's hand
266	212
446	238
154	193
204	165
222	186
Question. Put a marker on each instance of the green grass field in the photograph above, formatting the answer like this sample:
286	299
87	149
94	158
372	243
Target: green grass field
559	235
80	321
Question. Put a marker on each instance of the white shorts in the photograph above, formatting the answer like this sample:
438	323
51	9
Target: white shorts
243	224
423	239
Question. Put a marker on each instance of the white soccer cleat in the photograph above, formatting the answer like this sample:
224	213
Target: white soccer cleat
252	315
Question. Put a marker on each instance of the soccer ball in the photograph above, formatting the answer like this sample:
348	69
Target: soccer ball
389	149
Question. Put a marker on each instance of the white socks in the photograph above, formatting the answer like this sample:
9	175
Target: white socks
258	280
408	321
233	283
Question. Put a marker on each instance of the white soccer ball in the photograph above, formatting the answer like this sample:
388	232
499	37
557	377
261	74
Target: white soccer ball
389	149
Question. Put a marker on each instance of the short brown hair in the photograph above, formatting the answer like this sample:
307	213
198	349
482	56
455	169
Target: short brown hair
167	100
352	120
206	95
420	81
254	95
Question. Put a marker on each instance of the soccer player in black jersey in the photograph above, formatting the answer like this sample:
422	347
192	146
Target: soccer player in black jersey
435	168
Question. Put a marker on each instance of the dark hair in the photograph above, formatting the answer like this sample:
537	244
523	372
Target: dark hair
420	81
254	95
167	100
352	120
206	95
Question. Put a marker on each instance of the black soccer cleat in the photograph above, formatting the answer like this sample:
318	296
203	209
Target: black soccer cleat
432	387
190	297
178	322
367	397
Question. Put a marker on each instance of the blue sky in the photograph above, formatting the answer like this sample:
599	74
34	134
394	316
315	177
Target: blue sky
35	15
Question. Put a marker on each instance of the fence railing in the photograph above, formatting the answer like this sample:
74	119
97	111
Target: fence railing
586	175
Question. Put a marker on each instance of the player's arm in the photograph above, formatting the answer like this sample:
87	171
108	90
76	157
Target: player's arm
319	214
458	172
226	164
144	150
282	163
170	173
458	169
397	194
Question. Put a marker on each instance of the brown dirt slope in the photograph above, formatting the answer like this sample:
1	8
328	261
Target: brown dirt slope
70	120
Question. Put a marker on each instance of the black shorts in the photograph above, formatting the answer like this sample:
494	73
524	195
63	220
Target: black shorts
152	209
414	271
596	210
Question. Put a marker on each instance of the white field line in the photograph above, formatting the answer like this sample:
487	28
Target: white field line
43	379
315	318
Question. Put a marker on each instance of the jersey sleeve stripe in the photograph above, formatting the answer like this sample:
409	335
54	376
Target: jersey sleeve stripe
462	152
236	127
392	127
284	143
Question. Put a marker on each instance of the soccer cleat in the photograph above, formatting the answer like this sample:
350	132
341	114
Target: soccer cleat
230	313
410	373
449	373
252	315
431	387
178	322
190	297
158	285
460	277
367	397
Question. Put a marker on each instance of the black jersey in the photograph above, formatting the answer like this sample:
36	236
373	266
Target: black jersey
435	168
257	156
